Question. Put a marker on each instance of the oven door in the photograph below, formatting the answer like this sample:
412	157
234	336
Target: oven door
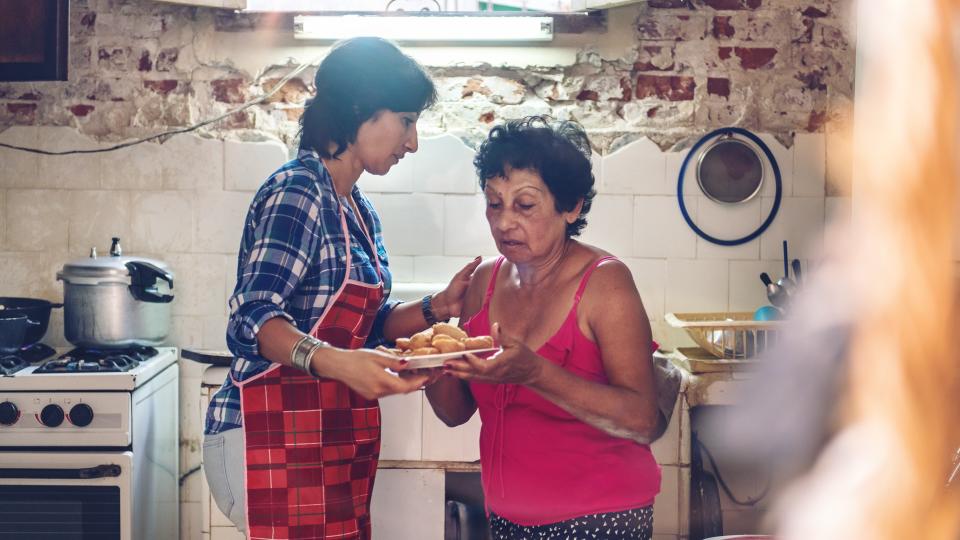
65	495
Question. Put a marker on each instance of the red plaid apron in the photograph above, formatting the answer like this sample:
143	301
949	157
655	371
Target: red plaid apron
312	443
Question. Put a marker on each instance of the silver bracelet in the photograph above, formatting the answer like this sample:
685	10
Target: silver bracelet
303	352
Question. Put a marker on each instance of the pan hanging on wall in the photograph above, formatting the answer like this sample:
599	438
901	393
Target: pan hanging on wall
730	171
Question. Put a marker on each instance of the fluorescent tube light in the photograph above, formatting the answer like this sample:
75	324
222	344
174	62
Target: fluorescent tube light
425	27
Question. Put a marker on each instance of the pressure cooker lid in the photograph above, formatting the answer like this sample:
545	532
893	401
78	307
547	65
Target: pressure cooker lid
113	267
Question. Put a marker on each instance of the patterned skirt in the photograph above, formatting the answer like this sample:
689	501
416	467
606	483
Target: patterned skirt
636	524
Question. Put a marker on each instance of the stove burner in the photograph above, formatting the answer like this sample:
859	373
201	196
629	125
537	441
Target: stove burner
14	362
11	364
83	360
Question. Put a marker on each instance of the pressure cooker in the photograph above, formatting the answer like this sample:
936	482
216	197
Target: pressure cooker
116	301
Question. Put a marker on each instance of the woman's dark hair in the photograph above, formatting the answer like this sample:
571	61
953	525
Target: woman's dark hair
359	77
558	151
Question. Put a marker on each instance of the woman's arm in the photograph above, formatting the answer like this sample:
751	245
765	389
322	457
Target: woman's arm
450	397
627	406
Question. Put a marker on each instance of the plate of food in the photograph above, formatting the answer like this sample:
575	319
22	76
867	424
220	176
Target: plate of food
433	346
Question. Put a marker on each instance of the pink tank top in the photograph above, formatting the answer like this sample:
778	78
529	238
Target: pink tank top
540	464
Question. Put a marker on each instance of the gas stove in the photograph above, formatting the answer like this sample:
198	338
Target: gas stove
11	363
92	369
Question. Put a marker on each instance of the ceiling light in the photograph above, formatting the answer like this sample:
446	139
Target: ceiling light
480	29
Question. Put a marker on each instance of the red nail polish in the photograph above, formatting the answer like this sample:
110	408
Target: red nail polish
404	362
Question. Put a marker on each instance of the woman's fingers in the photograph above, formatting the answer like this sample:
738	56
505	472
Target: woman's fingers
467	270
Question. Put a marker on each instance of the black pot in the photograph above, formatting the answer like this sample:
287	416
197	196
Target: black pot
13	328
37	312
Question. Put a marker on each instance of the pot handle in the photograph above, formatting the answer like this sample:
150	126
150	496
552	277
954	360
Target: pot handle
143	282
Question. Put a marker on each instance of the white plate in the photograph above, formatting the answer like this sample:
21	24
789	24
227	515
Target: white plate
437	360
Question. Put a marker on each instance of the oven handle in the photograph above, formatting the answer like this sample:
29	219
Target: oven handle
100	471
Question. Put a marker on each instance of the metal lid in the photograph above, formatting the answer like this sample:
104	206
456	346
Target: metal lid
113	268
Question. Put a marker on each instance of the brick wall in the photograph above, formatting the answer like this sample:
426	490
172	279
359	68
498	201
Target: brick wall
775	66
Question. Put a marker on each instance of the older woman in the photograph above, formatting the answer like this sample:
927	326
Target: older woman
568	407
293	435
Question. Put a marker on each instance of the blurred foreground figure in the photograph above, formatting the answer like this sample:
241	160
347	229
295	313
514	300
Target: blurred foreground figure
859	409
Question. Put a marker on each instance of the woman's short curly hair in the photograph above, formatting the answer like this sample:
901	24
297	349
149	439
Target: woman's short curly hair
558	151
357	78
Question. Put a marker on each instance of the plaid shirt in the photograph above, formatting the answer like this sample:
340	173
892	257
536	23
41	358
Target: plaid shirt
292	261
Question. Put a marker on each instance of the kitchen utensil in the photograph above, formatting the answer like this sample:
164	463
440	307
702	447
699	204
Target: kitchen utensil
116	301
786	261
13	328
775	292
35	309
727	335
797	276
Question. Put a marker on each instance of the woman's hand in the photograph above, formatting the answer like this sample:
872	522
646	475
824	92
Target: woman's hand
514	364
449	302
364	371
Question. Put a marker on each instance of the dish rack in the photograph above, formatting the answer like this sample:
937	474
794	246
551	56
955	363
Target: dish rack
729	336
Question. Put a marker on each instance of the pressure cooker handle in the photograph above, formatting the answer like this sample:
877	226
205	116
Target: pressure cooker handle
143	282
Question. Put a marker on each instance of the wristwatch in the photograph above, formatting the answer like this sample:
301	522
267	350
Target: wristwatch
427	307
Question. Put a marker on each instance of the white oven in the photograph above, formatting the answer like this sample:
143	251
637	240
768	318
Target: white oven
91	455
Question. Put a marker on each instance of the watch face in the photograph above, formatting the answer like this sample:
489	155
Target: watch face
730	171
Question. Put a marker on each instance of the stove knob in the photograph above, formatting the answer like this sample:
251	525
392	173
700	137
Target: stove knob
9	413
81	415
51	415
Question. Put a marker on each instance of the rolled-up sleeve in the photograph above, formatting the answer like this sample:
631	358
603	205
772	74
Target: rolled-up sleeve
376	336
284	231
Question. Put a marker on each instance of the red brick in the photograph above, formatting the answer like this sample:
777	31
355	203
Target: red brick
161	87
724	52
807	35
145	64
813	13
755	57
23	113
80	110
30	96
228	90
587	95
722	28
672	87
652	111
718	87
487	117
733	4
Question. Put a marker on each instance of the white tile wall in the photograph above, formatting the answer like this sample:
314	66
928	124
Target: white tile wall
183	202
402	425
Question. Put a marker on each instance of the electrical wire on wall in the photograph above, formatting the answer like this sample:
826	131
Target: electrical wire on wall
167	134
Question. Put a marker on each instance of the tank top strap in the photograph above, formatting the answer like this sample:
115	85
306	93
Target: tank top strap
586	278
493	280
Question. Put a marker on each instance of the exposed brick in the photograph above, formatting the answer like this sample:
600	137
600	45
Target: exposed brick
29	96
724	52
722	28
718	86
668	3
806	35
80	110
733	4
813	13
672	87
755	57
587	95
664	27
161	87
23	113
654	58
652	111
166	59
145	64
474	85
487	117
113	57
228	90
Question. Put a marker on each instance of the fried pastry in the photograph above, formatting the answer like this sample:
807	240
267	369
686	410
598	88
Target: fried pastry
478	342
448	329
